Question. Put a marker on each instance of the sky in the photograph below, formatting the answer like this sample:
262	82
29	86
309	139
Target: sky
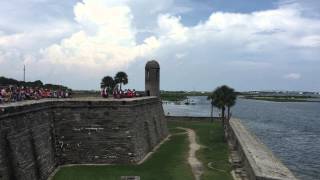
246	44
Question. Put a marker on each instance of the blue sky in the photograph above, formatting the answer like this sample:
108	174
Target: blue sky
247	44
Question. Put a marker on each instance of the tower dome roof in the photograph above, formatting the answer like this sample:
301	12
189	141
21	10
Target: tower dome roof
153	64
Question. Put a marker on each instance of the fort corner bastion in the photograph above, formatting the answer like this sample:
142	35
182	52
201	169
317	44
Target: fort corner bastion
38	136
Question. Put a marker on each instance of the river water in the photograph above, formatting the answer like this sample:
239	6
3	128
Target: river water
290	129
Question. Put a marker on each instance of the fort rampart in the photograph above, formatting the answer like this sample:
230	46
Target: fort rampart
257	160
38	136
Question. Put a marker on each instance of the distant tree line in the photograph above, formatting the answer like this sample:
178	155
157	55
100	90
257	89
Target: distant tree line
13	82
180	95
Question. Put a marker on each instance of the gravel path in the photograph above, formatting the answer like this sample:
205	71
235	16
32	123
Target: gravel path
196	165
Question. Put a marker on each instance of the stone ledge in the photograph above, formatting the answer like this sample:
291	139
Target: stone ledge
262	164
17	108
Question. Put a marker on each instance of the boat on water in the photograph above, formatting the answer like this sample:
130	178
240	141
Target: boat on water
188	102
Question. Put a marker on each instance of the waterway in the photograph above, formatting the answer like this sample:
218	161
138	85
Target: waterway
290	129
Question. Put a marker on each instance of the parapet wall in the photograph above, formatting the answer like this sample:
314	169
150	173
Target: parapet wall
256	158
38	136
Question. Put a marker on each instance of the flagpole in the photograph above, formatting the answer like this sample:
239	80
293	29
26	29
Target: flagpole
24	73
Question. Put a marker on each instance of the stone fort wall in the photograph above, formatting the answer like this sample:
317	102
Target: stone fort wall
253	156
38	136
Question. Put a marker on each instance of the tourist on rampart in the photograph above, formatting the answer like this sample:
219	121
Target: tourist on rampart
14	93
113	85
127	93
104	92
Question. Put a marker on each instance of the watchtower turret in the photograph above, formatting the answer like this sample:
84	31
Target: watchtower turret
152	78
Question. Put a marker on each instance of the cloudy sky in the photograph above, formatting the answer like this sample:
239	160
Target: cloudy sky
247	44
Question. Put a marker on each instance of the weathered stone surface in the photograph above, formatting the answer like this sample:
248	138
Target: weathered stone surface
255	157
152	78
37	136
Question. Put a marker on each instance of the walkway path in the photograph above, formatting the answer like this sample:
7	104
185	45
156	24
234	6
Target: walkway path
196	165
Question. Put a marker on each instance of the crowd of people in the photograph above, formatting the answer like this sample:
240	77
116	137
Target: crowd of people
127	93
118	93
14	93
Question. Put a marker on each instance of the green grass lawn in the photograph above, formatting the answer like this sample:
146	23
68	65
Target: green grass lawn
169	162
215	150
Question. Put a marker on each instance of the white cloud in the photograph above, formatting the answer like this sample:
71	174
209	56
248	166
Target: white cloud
292	76
250	64
43	35
181	55
107	39
103	39
170	28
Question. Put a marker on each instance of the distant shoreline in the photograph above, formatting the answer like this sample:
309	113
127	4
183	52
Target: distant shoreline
282	98
180	95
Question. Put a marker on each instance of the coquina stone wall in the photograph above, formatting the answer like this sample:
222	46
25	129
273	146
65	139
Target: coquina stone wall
38	136
257	160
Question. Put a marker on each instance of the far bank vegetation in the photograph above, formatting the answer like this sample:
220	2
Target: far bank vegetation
180	95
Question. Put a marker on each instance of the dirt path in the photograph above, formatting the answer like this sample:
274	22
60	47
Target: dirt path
196	165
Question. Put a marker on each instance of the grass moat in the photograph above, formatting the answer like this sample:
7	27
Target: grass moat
169	161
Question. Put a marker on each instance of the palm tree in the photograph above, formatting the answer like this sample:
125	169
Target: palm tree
217	101
122	78
210	97
107	82
223	97
230	100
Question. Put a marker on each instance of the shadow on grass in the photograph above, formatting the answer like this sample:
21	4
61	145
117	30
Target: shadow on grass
169	162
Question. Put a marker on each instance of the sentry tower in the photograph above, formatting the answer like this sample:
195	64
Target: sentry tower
152	79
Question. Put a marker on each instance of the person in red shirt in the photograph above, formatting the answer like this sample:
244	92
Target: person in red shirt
104	93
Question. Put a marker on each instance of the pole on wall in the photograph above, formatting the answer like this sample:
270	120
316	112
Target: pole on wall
24	73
